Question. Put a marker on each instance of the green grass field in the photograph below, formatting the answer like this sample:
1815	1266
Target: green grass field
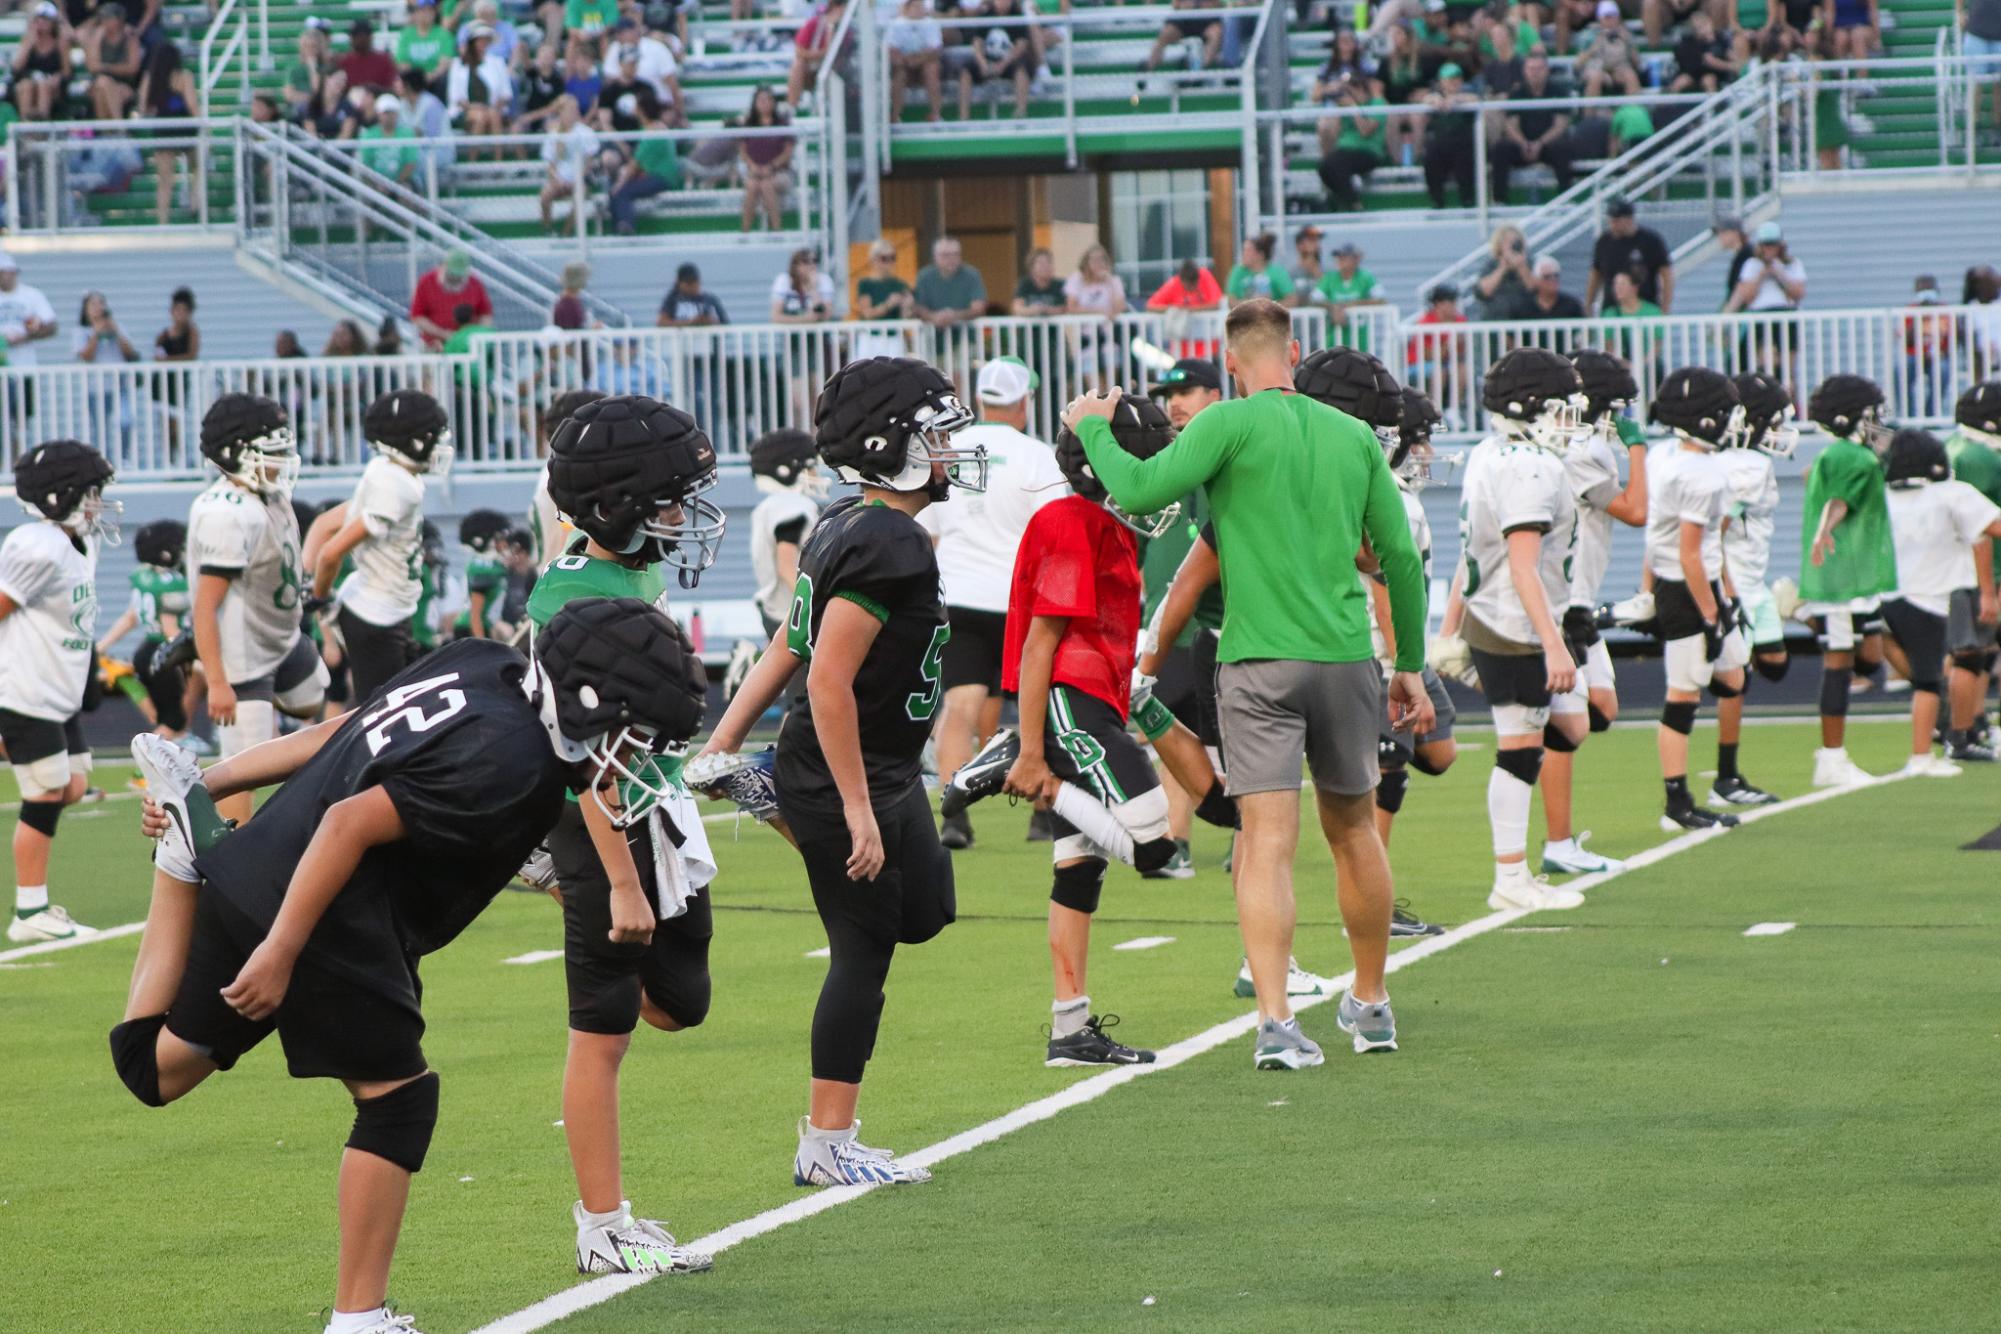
1626	1117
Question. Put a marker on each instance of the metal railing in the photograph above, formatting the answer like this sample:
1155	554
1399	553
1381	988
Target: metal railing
55	169
225	47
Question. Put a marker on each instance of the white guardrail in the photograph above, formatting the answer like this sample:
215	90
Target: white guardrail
742	380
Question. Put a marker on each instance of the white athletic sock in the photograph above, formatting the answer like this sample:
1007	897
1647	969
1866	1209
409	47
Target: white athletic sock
1094	820
1508	799
30	899
353	1322
1067	1017
603	1220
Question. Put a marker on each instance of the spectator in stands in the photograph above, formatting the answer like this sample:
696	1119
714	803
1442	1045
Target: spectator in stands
581	79
1000	55
1609	57
1573	17
1307	268
264	109
802	294
1173	33
570	312
1255	275
1771	281
949	291
506	37
363	65
1192	288
1503	289
1640	341
1352	146
1928	340
98	339
441	291
882	295
809	50
26	317
767	161
469	324
1631	124
1435	363
422	44
181	339
1040	291
286	346
389	146
633	54
1448	144
389	338
1979	292
1402	79
537	92
1729	236
306	78
1659	17
112	55
479	90
1346	63
1502	66
1532	134
569	152
1980	42
1626	247
654	169
167	92
1094	289
1547	299
1854	29
586	21
1348	288
916	48
42	64
1704	59
424	111
686	305
345	339
1446	36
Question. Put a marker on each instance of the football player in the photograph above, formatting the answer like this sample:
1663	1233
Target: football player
243	554
395	825
486	576
868	621
433	582
785	467
159	609
48	629
1975	450
545	523
1848	562
1696	618
1944	603
630	474
1517	536
383	528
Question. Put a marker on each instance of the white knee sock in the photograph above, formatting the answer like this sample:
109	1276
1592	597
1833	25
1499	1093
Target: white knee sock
30	899
1508	800
1067	1017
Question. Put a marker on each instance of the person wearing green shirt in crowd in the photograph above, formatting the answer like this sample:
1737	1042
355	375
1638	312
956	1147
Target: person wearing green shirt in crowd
880	294
424	43
949	291
1630	124
389	147
1345	289
1847	560
1256	276
1361	144
1293	487
1974	448
589	17
654	169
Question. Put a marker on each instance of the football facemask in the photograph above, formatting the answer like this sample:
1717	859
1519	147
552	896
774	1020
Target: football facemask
1146	525
1424	465
1551	429
621	762
685	534
94	516
965	465
269	464
438	463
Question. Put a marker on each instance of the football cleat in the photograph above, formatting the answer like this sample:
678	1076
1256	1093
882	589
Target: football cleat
1786	599
955	831
1405	923
1179	867
1089	1046
174	784
837	1158
1734	791
744	778
1931	766
1693	818
1298	982
1515	888
628	1245
179	654
1570	857
540	868
51	923
1971	752
1633	610
1371	1024
1281	1046
1453	660
1833	768
391	1323
982	775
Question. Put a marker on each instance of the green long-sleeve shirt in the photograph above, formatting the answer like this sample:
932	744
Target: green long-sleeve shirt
1293	486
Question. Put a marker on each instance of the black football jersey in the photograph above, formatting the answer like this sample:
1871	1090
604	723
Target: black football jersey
881	559
461	752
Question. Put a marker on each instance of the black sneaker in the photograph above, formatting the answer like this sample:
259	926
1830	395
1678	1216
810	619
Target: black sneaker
980	776
1042	827
955	831
1695	817
1971	752
1403	922
179	652
1089	1046
1734	791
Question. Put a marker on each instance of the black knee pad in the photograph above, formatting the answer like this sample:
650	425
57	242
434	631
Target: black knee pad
1723	689
1678	715
1390	791
135	1054
1990	656
1970	660
1834	692
397	1126
1930	687
1218	808
1525	764
1863	669
1078	886
1425	766
1553	738
1391	754
689	1006
1153	854
1599	722
41	816
1772	669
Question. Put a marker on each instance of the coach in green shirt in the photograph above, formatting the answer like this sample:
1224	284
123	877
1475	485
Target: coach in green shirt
1293	487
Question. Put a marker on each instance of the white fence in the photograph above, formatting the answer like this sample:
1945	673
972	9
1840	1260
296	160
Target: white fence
742	380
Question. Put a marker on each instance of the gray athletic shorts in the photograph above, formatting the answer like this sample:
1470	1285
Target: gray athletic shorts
1278	714
1964	633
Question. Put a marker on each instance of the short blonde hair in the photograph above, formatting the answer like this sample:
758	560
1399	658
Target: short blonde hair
1258	328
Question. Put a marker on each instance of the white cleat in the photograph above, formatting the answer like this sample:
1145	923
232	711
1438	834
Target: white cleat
170	772
1635	609
1298	982
628	1245
393	1324
837	1158
51	923
1931	766
1570	857
1515	888
1833	768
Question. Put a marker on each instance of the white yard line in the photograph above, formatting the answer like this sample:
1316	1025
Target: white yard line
1144	943
1771	928
599	1290
535	956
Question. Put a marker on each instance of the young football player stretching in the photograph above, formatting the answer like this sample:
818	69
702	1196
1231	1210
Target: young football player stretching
486	576
1975	450
48	628
159	609
395	826
630	472
868	622
383	529
1747	551
243	553
1592	466
785	467
1945	585
1848	563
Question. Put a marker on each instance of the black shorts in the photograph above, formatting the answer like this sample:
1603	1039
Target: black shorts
165	686
29	739
331	1026
606	981
1921	634
1963	631
972	655
1086	743
1675	614
1187	686
374	652
911	899
1512	678
293	670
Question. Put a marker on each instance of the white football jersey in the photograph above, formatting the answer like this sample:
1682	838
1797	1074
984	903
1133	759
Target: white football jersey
978	535
1592	466
387	583
775	511
256	540
1934	526
551	533
1510	485
1420	527
1684	486
48	641
1753	510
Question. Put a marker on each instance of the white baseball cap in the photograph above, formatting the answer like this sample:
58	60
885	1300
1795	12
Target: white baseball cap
387	103
1006	380
7	264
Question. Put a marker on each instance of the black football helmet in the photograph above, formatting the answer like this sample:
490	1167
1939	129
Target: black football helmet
1359	385
162	543
1700	405
566	404
1979	412
433	543
481	530
1609	387
1141	427
1768	416
1850	407
1535	396
1914	458
618	682
873	411
1420	419
412	426
64	481
616	463
249	438
788	460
